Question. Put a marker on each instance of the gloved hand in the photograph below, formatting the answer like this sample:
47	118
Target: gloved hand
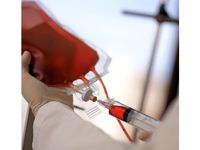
37	93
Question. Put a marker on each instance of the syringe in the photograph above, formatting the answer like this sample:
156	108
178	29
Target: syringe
130	115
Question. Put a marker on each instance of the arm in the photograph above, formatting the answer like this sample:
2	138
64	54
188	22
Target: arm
56	126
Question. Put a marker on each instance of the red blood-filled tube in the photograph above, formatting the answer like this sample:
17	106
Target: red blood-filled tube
118	111
131	116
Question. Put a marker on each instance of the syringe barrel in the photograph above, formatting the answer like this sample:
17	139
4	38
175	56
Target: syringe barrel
133	117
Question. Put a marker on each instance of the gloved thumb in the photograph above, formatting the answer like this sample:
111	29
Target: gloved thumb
26	59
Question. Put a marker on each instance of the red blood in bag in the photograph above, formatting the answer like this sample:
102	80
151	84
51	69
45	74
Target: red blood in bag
58	57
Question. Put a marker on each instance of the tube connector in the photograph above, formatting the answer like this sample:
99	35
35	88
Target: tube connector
88	95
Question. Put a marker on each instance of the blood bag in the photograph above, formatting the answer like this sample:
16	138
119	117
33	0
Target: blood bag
59	56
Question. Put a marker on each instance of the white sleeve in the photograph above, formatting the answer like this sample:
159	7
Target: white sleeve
57	127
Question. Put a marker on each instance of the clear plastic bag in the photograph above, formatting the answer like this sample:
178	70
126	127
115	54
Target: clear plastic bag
81	78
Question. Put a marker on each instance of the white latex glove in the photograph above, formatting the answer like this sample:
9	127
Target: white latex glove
37	93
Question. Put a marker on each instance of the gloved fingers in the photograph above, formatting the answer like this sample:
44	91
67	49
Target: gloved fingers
36	92
32	89
142	135
26	59
28	81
